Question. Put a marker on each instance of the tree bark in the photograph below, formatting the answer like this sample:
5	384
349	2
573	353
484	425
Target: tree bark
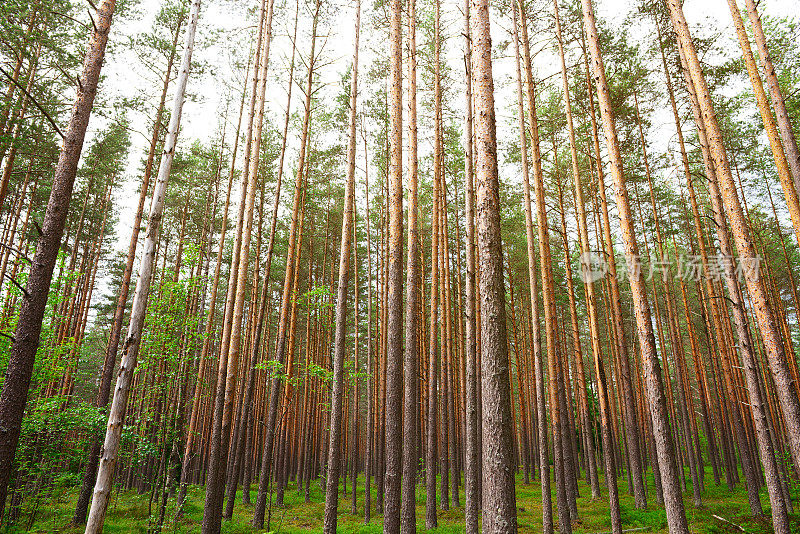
408	524
105	474
676	517
499	499
340	339
222	418
774	138
472	482
394	324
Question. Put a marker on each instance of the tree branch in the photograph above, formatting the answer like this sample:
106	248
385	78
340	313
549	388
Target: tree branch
46	114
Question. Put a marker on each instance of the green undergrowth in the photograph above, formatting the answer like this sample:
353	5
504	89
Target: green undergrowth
132	513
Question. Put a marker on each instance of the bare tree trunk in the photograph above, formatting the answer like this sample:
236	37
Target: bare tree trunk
14	395
584	410
340	341
226	386
286	300
541	416
370	445
394	326
676	517
472	482
773	342
204	365
409	471
499	499
105	474
606	430
104	391
433	341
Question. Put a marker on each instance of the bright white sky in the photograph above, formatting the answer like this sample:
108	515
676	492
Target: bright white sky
201	115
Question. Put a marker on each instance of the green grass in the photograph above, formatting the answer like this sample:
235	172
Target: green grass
128	512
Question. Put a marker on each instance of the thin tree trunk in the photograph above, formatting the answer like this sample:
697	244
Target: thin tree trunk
280	351
774	138
194	419
409	470
433	341
472	482
340	340
370	445
544	462
105	474
581	216
104	391
225	388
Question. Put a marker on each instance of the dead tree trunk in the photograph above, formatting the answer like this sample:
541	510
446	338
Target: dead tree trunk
105	474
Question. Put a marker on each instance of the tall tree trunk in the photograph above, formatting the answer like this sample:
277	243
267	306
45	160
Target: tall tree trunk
676	517
433	341
472	481
204	365
409	471
581	216
286	296
773	342
105	474
104	391
499	499
394	325
589	279
370	441
541	416
340	340
226	386
22	354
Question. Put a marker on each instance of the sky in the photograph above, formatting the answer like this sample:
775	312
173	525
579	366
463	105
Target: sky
225	27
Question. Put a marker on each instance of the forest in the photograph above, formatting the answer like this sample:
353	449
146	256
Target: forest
400	265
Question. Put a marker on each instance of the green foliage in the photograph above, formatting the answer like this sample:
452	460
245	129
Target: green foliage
129	513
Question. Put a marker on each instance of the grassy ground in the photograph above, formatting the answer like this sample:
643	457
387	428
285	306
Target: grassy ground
129	512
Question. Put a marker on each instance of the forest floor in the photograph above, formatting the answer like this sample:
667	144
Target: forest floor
130	512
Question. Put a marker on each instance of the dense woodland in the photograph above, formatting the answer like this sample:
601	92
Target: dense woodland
416	265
